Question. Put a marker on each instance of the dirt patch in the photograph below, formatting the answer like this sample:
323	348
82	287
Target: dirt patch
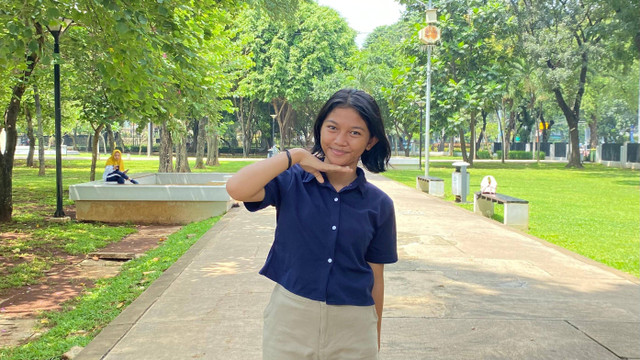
19	307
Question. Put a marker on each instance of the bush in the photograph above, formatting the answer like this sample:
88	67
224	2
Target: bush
484	155
520	155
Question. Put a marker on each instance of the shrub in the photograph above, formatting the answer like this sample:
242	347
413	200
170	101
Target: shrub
521	155
484	154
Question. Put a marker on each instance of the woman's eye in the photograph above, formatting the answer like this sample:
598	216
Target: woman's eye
355	133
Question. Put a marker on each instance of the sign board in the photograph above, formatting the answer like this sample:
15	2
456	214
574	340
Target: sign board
488	185
429	34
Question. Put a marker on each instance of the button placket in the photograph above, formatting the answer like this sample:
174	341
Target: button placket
335	219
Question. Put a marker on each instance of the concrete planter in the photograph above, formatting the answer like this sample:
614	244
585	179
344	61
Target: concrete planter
431	185
403	163
162	198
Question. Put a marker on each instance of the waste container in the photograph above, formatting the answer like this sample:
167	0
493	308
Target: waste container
460	181
273	151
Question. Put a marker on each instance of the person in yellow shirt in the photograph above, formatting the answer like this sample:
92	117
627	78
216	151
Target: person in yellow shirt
114	170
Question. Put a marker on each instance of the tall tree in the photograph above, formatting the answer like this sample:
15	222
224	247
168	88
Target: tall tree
290	55
563	38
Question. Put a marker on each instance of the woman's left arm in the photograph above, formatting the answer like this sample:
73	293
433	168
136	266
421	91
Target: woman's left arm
378	293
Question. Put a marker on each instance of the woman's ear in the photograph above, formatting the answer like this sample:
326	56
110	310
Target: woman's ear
372	142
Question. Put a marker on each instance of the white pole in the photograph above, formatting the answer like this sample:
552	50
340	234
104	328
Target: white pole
150	139
427	113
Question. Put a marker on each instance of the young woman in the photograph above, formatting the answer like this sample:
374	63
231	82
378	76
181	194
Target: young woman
114	170
335	231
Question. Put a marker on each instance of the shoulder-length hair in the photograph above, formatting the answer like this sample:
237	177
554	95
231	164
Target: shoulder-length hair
374	159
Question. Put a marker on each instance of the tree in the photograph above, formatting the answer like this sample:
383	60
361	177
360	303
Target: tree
19	27
563	38
289	56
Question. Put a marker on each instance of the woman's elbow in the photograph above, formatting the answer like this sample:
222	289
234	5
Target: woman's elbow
233	189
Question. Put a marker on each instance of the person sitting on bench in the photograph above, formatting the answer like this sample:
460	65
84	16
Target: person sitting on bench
114	170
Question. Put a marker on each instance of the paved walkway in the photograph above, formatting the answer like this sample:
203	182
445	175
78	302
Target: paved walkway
465	287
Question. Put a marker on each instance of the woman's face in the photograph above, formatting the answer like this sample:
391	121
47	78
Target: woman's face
344	136
116	156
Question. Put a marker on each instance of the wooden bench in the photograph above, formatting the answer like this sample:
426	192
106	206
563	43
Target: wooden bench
516	211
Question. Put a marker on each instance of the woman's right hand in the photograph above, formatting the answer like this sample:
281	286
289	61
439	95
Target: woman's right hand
311	164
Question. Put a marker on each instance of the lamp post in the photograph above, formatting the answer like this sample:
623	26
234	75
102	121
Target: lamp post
429	35
56	30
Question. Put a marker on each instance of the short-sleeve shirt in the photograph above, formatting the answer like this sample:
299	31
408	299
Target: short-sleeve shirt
324	239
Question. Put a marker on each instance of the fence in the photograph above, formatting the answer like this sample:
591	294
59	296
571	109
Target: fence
625	155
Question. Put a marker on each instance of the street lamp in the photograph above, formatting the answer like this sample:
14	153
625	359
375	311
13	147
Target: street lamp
56	30
429	35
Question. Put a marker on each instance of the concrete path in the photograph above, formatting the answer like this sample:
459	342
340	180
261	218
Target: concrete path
465	287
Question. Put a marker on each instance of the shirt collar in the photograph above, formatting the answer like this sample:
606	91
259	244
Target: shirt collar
359	183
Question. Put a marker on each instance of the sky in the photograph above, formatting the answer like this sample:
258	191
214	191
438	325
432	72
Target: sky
365	15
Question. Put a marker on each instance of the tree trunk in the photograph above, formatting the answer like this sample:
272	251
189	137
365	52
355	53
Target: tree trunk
472	140
166	150
11	117
572	115
73	138
94	151
284	117
30	136
482	132
201	139
110	140
463	145
506	145
212	150
182	161
452	144
119	141
36	97
443	140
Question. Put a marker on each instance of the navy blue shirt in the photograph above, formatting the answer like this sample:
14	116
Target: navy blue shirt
324	238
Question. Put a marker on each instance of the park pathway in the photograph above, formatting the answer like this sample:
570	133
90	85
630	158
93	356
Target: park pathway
466	287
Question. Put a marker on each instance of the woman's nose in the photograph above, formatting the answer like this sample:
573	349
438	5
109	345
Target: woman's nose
341	138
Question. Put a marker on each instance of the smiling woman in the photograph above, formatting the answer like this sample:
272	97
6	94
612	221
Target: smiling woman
335	231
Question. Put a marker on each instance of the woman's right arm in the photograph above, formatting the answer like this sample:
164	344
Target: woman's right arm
248	183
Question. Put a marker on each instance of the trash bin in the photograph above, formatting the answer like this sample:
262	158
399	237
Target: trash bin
273	151
460	181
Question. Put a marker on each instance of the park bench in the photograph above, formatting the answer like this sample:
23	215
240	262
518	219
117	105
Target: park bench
516	211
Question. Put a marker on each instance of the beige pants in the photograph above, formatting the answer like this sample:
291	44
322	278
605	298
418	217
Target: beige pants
296	328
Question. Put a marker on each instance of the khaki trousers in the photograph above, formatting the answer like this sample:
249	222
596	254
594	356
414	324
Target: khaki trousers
296	328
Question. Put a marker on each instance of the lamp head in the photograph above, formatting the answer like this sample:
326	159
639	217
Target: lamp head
57	27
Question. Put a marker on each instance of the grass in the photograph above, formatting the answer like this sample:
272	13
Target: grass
594	212
30	237
83	318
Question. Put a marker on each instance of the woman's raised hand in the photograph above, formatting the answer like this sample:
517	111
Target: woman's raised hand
311	164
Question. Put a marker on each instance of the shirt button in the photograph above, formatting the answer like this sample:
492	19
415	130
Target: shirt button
336	199
333	227
330	260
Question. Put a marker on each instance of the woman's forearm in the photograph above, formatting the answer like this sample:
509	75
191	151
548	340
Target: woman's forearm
249	182
378	293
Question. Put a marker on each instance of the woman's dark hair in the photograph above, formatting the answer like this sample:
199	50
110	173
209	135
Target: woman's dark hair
374	159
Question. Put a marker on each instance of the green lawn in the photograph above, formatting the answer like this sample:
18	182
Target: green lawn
594	212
